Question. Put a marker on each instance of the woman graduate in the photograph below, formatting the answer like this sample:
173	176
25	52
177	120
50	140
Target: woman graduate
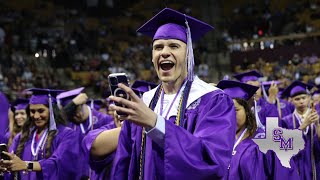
182	129
20	117
44	149
247	160
306	119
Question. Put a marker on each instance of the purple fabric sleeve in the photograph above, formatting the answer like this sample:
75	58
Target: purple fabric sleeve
205	153
123	153
100	168
15	143
63	163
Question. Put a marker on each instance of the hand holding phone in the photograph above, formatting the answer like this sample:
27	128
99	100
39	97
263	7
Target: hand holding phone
114	80
4	147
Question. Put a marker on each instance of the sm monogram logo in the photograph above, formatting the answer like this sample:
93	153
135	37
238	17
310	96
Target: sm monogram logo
284	144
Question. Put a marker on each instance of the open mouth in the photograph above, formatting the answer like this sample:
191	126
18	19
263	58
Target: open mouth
166	65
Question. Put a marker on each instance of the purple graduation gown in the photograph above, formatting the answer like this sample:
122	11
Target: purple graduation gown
63	162
317	107
7	136
247	162
4	120
303	158
287	108
201	149
275	170
100	168
2	139
98	119
265	109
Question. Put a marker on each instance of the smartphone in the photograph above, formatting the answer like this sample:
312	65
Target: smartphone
114	79
4	147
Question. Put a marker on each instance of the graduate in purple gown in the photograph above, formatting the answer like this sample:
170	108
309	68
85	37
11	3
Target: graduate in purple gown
83	119
20	117
306	119
182	129
247	160
44	149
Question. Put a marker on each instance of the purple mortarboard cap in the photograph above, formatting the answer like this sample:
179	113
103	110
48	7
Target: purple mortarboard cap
296	88
46	97
41	96
248	76
21	104
140	87
171	24
66	97
237	89
95	104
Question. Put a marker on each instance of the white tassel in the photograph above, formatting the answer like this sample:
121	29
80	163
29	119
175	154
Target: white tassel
189	57
52	122
259	124
92	104
264	92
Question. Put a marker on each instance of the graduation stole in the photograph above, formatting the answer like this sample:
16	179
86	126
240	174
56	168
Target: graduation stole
313	165
179	120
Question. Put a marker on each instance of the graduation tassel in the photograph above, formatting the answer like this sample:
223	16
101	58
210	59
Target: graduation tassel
264	92
59	104
189	57
52	125
259	124
91	104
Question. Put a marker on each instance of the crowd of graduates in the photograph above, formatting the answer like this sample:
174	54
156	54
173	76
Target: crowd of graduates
182	128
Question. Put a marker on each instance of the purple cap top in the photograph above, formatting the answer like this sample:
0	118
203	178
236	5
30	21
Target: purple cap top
66	97
237	89
21	104
248	76
41	96
296	88
140	87
170	24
